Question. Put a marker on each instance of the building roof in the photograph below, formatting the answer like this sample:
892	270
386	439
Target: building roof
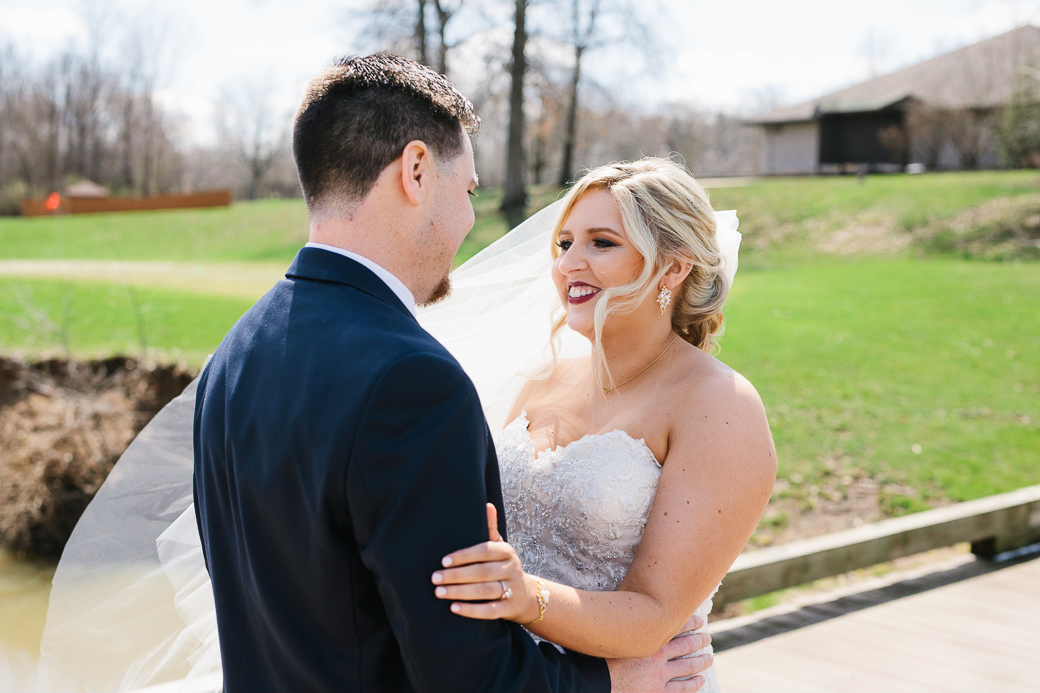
86	188
982	75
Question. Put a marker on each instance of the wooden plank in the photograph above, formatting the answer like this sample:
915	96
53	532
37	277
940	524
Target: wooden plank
967	636
996	523
805	666
758	668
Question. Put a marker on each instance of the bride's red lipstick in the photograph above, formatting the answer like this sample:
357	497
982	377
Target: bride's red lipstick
581	299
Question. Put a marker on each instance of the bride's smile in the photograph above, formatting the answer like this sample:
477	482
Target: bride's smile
579	292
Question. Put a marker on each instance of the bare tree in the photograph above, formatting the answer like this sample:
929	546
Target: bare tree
150	55
398	26
596	24
583	29
929	131
252	128
420	32
971	132
445	12
405	27
548	101
514	197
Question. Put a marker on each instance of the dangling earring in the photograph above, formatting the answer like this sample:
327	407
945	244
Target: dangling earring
664	298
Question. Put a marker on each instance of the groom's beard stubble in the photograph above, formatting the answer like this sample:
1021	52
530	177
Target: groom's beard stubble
439	293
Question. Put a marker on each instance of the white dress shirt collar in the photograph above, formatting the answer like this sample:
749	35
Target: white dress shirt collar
395	284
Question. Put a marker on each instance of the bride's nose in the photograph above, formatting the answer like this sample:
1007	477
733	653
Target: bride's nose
572	259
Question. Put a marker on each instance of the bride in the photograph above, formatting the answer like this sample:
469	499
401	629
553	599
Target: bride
634	466
654	460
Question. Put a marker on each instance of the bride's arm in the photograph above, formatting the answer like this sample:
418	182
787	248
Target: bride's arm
714	486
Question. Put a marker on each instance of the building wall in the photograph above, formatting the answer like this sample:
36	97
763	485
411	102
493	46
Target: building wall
791	148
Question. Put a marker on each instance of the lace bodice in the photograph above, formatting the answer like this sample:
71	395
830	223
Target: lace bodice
576	514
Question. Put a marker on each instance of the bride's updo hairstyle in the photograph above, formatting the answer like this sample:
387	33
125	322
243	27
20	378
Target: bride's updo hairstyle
667	217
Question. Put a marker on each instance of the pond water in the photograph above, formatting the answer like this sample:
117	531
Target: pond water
24	589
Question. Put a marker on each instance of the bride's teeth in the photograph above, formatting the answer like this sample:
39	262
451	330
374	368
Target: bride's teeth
579	291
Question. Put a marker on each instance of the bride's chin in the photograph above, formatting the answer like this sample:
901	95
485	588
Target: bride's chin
581	325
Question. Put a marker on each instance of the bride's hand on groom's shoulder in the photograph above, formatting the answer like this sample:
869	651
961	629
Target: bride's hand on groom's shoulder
486	581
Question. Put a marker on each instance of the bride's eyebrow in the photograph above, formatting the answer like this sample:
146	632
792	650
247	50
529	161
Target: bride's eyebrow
603	229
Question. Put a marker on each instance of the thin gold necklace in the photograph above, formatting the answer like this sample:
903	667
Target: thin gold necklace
608	390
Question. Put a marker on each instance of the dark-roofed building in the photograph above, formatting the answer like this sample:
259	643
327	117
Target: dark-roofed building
943	113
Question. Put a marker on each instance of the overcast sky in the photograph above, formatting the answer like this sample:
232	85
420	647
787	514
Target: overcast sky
732	55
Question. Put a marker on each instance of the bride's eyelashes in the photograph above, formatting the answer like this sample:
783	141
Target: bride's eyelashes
565	245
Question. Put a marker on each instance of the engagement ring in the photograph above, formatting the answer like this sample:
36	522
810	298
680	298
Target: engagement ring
507	591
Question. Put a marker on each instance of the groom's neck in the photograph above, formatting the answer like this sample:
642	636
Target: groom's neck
374	231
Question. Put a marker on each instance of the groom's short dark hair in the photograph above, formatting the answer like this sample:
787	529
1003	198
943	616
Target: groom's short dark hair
358	115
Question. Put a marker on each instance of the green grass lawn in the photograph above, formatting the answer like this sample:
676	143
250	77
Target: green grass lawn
266	230
272	230
99	319
262	230
861	361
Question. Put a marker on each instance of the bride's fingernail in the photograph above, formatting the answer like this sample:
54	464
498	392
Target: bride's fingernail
437	577
440	591
446	561
456	608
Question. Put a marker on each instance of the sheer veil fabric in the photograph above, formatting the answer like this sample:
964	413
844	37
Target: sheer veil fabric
131	604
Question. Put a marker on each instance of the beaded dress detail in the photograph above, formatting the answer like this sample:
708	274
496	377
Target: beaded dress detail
576	514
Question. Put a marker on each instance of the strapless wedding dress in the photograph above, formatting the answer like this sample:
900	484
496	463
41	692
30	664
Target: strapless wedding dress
576	514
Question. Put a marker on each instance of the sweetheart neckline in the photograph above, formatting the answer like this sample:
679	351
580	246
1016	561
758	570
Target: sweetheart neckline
561	448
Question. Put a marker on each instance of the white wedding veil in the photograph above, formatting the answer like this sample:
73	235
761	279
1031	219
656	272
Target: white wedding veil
131	604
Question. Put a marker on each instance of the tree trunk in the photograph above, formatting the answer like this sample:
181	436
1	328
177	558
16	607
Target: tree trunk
514	197
254	181
420	33
570	134
538	158
53	132
128	149
147	165
442	48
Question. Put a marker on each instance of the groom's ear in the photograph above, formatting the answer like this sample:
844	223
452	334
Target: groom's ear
416	171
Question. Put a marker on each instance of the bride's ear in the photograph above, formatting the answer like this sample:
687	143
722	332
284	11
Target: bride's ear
678	270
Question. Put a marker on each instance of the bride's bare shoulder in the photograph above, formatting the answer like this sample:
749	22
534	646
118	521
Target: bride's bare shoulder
701	374
712	401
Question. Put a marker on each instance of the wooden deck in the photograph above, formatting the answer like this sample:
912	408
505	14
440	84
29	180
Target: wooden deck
972	628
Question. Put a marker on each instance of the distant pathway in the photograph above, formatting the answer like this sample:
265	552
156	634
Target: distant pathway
247	280
978	630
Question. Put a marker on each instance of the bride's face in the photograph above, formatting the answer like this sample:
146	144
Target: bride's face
595	254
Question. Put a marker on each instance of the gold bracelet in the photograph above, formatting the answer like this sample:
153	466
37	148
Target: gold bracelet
542	595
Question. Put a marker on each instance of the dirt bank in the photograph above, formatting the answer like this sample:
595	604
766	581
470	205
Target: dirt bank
63	424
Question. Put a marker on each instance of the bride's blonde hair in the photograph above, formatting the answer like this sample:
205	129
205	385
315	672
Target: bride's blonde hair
668	218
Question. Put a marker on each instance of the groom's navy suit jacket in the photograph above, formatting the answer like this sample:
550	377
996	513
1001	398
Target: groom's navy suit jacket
340	453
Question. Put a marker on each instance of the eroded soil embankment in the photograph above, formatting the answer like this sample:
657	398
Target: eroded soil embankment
63	425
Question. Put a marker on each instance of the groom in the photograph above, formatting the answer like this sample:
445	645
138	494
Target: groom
340	451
